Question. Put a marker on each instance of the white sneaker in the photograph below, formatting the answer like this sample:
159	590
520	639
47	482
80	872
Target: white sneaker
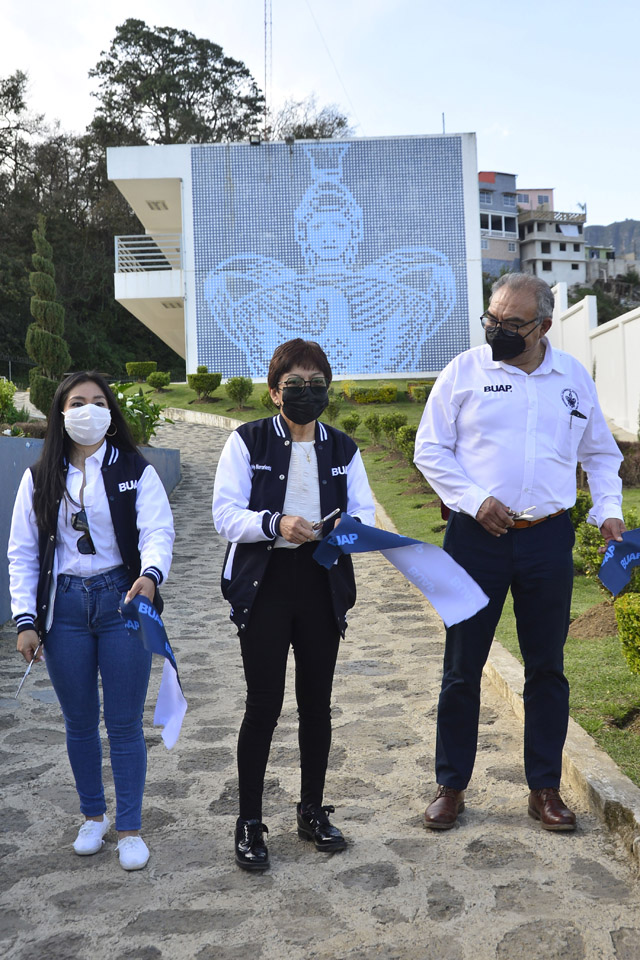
133	853
89	839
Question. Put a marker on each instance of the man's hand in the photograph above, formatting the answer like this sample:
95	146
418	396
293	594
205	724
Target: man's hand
296	529
144	585
611	529
494	517
28	641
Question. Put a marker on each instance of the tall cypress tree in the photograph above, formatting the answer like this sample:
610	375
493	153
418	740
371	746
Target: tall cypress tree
44	341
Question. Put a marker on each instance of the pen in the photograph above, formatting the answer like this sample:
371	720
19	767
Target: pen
28	670
329	516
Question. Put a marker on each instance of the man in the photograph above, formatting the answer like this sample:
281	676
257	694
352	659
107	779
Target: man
499	440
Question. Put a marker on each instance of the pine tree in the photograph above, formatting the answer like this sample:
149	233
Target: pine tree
44	341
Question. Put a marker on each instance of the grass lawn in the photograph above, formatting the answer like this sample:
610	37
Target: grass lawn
605	696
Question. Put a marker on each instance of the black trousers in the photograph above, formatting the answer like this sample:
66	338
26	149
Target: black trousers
292	609
536	563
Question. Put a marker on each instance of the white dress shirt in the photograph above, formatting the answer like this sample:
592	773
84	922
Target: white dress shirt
302	497
154	522
491	430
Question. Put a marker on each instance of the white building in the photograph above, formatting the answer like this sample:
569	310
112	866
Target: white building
552	243
369	246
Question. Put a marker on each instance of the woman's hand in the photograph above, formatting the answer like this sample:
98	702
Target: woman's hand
296	529
143	585
28	641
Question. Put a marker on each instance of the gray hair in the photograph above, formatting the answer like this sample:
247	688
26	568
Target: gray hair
526	281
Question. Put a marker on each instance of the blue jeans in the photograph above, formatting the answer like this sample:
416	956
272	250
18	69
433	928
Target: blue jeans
88	635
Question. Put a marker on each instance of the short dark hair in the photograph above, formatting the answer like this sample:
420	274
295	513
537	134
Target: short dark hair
297	353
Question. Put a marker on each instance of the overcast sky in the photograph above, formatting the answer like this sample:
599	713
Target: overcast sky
549	88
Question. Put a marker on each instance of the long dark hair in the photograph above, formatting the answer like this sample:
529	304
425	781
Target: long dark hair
51	468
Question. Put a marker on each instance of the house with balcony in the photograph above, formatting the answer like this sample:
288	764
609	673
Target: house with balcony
498	222
552	243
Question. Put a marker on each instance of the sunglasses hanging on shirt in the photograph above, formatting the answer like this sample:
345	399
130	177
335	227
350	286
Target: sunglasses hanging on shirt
80	523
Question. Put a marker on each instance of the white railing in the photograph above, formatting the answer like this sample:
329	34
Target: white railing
141	253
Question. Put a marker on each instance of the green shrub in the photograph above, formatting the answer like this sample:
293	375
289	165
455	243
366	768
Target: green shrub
8	412
385	393
142	415
588	559
391	423
159	380
140	369
406	442
202	369
333	408
627	610
580	510
239	389
372	423
419	390
350	423
347	388
204	384
267	402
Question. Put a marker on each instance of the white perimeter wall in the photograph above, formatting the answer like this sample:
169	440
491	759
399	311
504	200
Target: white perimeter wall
614	349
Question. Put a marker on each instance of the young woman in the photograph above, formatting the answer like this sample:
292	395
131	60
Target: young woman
92	522
276	481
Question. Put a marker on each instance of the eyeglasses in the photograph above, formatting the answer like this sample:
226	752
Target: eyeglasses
79	522
511	327
297	384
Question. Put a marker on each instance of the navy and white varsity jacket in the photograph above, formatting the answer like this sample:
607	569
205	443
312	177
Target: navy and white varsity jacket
140	514
248	498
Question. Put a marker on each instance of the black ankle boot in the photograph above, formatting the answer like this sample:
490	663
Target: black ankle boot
313	824
251	850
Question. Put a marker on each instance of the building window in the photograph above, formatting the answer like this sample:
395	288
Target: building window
513	247
611	255
509	199
529	228
563	246
546	265
542	198
486	197
484	243
576	248
545	246
541	227
523	198
496	223
510	224
575	266
484	221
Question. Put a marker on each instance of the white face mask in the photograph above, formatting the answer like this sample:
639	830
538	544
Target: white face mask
87	424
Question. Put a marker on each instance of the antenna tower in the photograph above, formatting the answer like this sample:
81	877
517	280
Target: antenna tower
268	62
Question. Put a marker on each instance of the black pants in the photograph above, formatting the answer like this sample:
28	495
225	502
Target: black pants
293	608
536	563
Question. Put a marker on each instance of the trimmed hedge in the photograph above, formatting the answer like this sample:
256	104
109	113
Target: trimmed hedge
204	383
627	610
418	390
383	393
140	369
159	380
239	389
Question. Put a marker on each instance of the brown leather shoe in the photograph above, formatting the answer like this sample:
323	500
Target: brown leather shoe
442	812
546	806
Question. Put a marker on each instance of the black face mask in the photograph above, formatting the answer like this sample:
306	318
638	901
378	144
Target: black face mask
304	405
506	346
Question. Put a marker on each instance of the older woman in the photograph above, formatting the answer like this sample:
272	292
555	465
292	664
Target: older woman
277	483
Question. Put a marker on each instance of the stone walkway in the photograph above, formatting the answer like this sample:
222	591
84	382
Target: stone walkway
496	886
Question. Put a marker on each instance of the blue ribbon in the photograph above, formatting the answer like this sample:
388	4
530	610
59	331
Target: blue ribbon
447	586
143	622
619	560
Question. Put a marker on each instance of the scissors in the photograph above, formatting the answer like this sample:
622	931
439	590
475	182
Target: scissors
523	515
329	516
28	670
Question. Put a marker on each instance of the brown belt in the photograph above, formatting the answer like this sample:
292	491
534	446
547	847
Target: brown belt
521	524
